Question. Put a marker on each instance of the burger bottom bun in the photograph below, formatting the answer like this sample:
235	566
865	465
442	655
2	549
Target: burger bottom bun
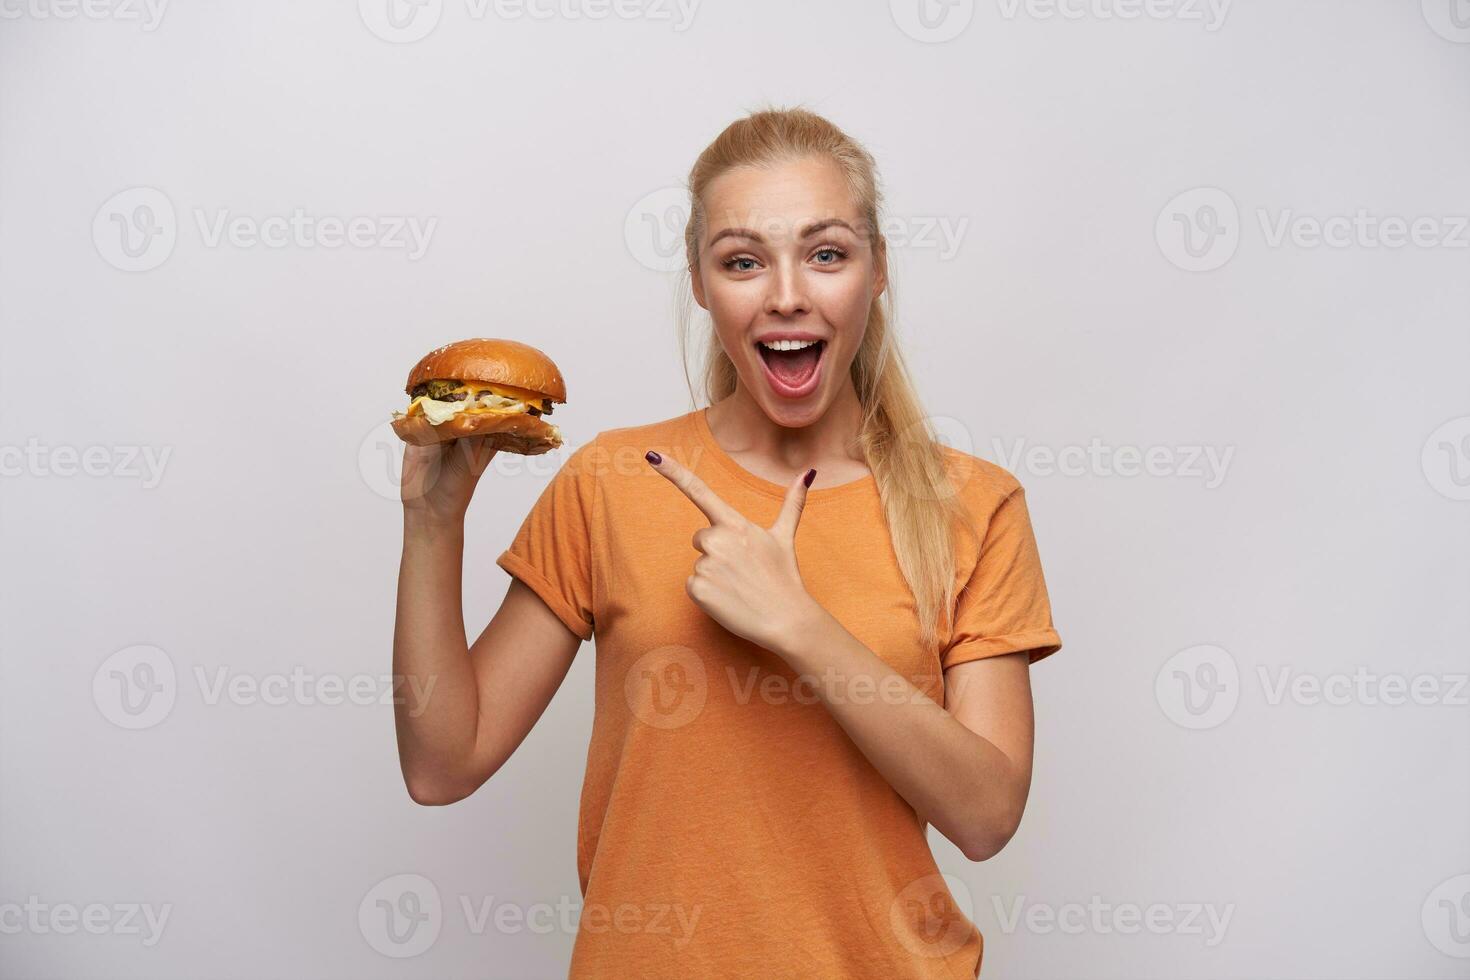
519	432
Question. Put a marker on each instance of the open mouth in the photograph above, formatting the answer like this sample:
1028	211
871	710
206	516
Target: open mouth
792	366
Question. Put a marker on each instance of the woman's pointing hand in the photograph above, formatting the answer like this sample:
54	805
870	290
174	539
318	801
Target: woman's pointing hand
746	577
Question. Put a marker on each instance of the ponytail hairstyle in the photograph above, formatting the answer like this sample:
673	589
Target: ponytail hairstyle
895	436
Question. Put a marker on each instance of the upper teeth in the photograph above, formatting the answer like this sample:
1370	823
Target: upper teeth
788	344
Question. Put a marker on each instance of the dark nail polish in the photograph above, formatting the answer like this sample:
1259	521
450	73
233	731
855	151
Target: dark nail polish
810	476
653	457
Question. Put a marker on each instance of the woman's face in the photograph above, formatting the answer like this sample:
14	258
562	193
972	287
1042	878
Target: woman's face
784	256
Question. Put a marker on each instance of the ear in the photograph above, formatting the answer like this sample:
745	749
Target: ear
880	268
697	286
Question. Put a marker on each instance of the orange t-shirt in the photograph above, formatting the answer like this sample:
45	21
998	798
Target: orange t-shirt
729	827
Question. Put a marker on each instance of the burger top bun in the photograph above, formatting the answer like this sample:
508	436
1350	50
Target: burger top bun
504	362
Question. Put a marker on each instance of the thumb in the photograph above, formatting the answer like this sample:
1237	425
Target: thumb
790	516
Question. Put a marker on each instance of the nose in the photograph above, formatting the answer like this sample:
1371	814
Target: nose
787	295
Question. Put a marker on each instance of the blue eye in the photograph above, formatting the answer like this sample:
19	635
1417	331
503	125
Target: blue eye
837	254
730	263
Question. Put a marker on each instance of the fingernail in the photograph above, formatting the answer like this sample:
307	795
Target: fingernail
810	476
653	457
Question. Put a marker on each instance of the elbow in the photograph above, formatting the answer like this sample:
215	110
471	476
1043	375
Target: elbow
985	847
432	799
989	837
994	820
432	792
440	783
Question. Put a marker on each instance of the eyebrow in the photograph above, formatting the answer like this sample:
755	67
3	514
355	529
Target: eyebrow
806	232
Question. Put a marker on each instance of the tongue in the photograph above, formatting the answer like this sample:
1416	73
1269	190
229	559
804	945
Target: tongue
793	367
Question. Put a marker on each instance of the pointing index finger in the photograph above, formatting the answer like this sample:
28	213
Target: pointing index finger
694	488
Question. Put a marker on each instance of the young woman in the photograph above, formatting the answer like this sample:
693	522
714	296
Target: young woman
813	622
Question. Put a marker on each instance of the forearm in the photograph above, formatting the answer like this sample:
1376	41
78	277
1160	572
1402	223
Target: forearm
431	662
954	778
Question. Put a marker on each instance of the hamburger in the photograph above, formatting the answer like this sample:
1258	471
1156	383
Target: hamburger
501	389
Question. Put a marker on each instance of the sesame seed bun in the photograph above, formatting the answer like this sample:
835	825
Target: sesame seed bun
504	362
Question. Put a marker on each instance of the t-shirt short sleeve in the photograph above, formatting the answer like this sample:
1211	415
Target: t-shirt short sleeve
1004	607
552	551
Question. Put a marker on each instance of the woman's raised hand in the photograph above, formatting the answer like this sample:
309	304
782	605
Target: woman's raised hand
746	577
439	479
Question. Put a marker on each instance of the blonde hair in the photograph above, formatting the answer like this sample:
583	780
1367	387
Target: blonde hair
895	436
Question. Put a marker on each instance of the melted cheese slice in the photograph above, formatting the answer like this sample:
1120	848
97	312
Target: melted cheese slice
498	399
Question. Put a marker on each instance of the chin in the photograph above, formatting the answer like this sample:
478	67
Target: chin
788	413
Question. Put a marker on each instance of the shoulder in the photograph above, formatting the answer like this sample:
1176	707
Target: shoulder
982	485
991	499
619	451
662	432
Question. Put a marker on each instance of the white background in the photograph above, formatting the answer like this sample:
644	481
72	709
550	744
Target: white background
1053	144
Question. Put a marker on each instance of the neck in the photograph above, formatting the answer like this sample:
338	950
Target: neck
740	425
